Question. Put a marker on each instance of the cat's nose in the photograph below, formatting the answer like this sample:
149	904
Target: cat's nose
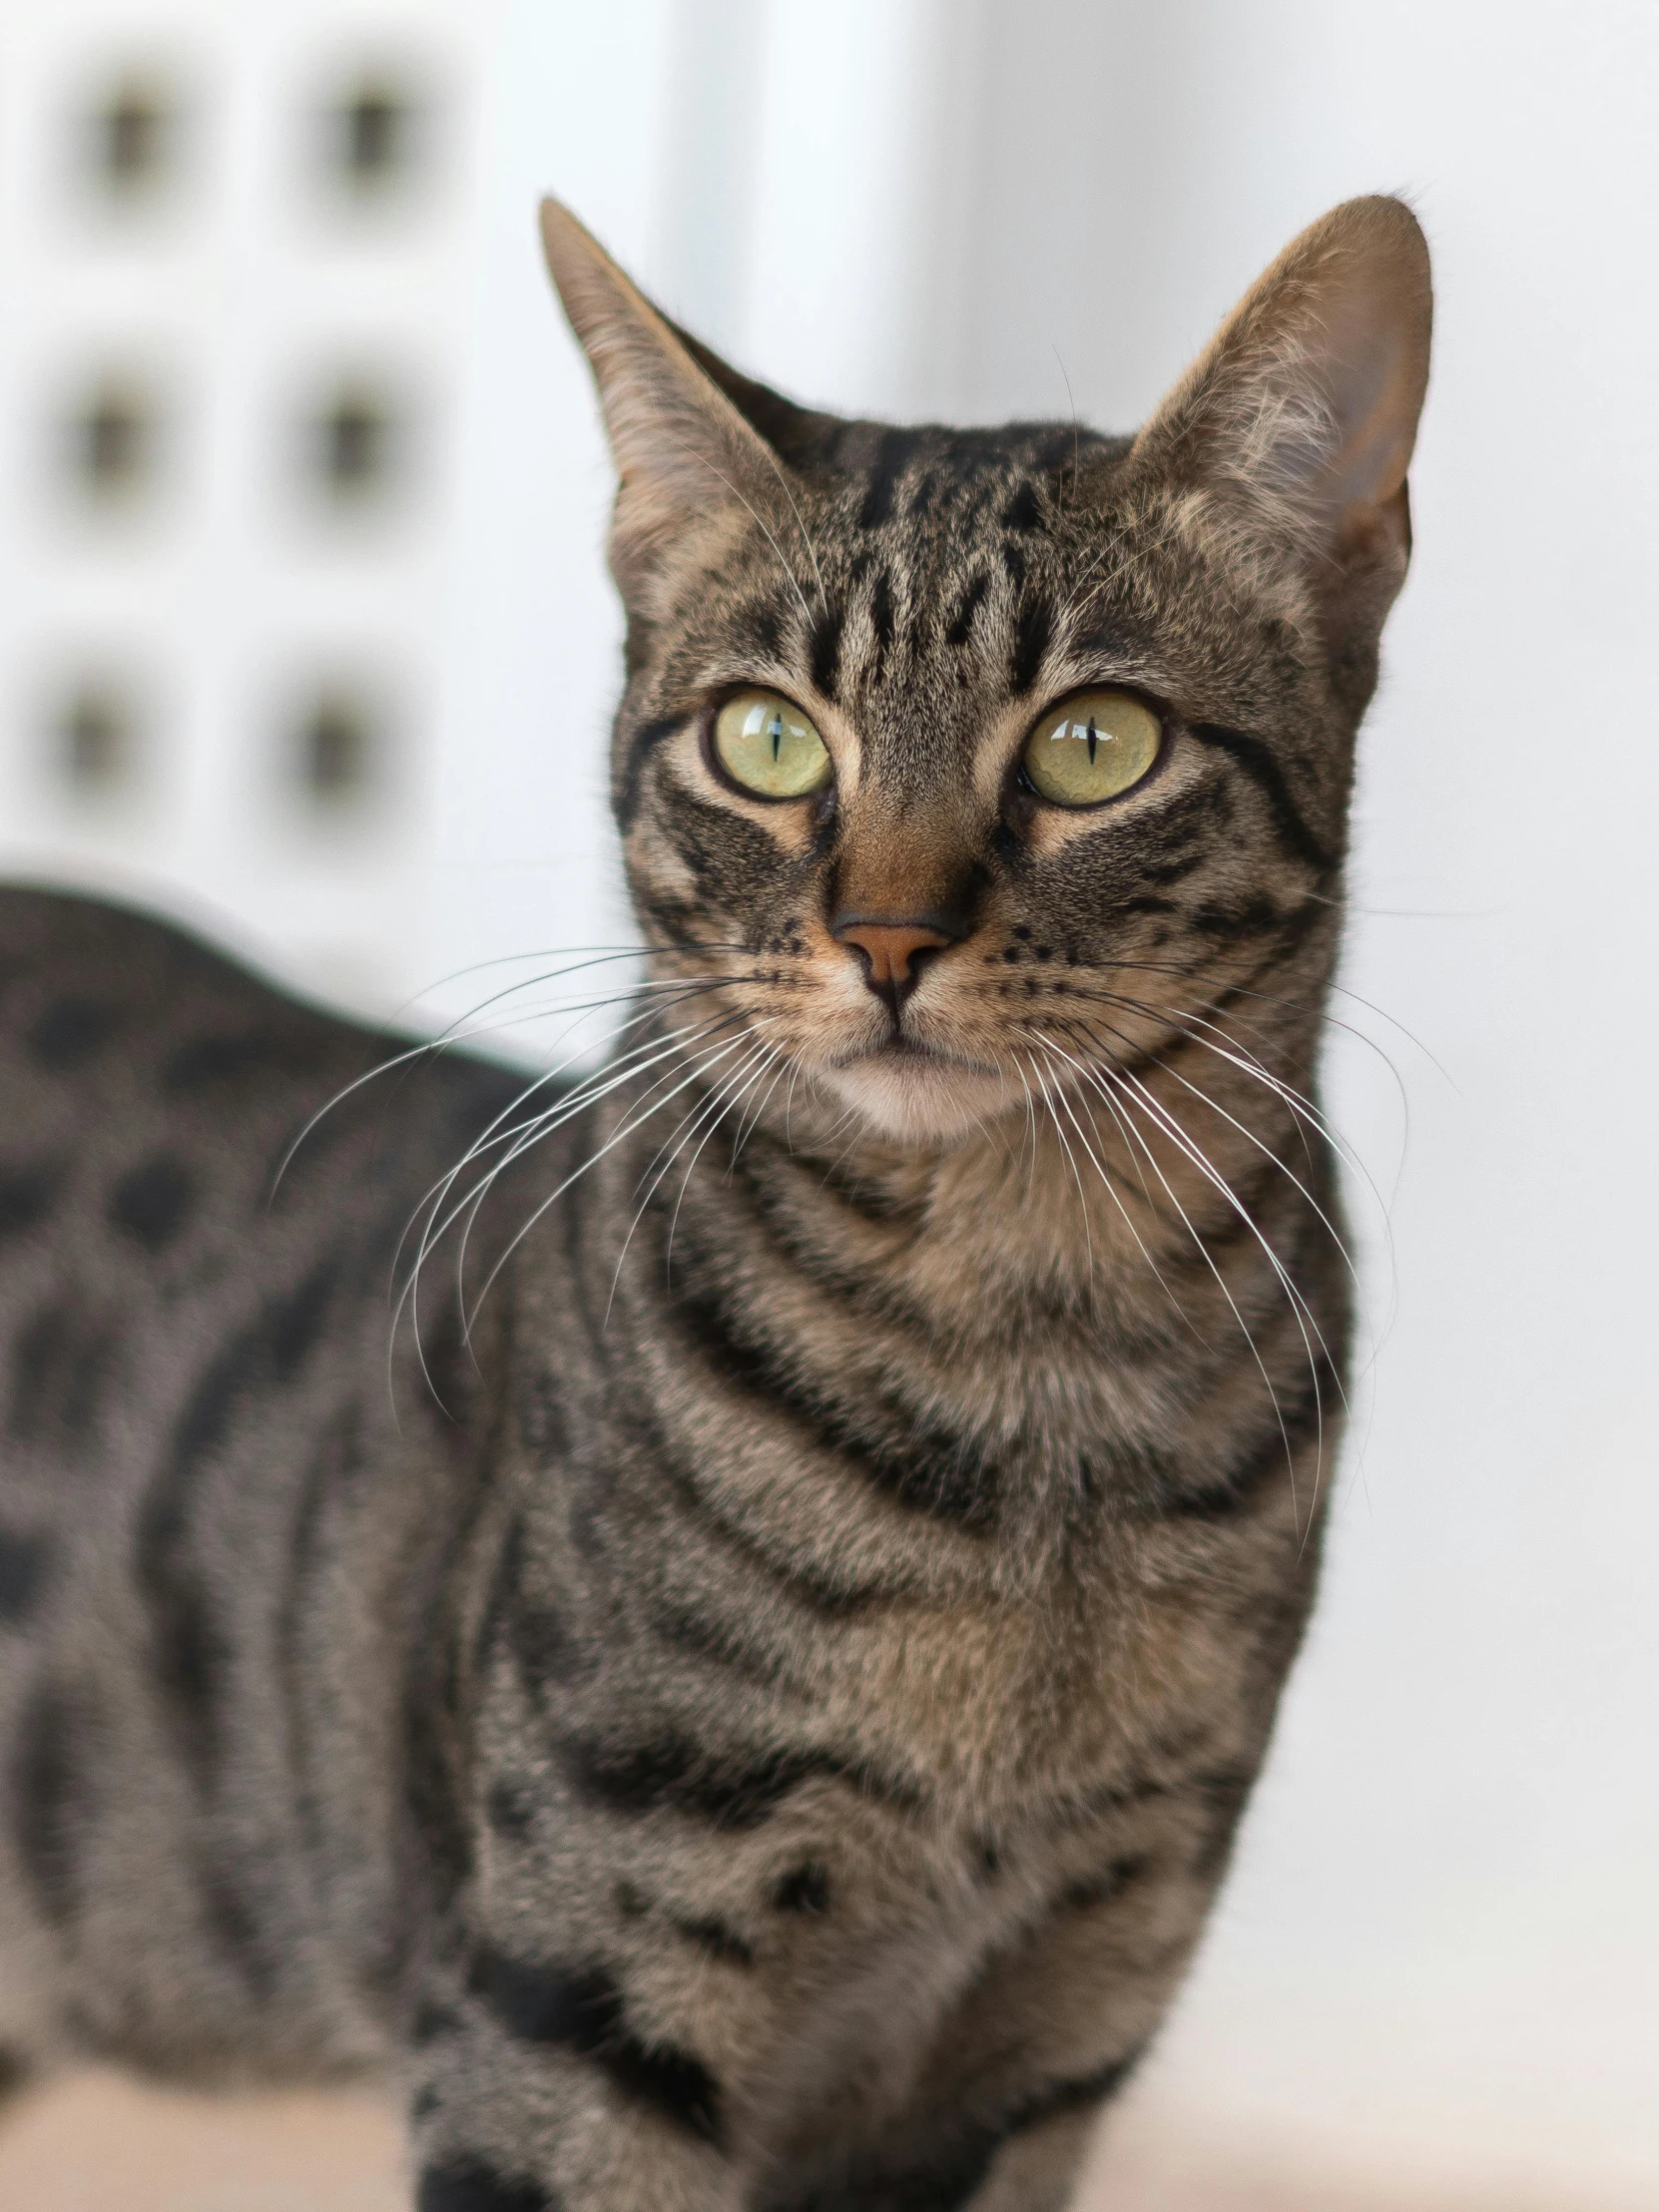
892	952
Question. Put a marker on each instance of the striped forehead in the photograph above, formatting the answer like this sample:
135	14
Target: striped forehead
939	592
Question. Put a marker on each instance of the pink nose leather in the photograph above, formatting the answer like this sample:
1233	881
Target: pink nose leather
888	948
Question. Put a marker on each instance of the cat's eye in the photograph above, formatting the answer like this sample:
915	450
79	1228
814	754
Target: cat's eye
1092	746
765	743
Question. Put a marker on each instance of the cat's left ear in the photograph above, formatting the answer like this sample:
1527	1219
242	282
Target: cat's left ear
681	446
1305	407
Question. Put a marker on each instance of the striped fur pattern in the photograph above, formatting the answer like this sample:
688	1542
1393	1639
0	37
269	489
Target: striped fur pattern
747	1710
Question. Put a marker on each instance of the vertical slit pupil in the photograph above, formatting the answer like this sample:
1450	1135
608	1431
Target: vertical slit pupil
776	734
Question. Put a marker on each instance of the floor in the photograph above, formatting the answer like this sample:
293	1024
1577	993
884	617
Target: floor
101	2144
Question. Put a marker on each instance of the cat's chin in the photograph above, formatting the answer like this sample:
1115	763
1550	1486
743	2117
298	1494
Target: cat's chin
917	1098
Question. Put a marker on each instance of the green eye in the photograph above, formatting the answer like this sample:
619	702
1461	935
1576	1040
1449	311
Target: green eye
767	744
1092	746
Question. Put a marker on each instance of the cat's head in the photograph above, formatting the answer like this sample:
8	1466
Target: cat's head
959	756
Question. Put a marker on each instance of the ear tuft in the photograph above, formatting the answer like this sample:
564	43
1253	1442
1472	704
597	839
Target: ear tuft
1305	404
681	449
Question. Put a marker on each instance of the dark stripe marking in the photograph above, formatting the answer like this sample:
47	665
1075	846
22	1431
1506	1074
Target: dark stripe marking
191	1647
826	646
674	1771
893	452
49	1798
962	622
467	2186
795	1578
69	1030
641	746
23	1561
1104	1888
1224	1791
1072	2097
717	1940
940	1476
151	1204
27	1190
1247	918
943	2184
510	1806
952	2177
582	2010
1032	630
1269	1461
881	612
686	1625
542	1646
1023	514
803	1889
335	1462
232	1925
433	2021
1258	763
756	628
206	1062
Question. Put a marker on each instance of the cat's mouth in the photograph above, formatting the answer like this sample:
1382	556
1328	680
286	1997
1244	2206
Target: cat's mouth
917	1092
901	1048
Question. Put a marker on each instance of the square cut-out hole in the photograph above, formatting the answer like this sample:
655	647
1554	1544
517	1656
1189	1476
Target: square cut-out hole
357	434
113	439
131	136
356	444
376	135
94	738
338	750
126	135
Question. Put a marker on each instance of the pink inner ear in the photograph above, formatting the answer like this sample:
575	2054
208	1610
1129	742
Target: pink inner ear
1374	397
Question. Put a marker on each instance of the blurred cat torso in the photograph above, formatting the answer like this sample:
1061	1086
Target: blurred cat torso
748	1705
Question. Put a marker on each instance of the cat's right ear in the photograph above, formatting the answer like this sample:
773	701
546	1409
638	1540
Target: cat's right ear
680	447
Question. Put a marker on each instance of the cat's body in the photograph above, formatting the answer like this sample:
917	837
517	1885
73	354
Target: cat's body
759	1726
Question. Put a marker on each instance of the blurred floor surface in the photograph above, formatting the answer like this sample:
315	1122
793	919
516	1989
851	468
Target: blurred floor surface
101	2144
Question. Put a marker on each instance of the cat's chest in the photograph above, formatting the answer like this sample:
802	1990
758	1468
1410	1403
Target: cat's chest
1011	1711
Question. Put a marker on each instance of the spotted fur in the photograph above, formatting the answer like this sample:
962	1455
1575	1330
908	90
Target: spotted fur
749	1706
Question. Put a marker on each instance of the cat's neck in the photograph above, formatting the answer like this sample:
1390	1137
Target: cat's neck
1098	1202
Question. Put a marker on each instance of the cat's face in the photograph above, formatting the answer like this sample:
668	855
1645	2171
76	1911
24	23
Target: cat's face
966	759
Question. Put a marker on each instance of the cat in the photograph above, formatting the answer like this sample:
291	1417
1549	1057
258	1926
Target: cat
734	1688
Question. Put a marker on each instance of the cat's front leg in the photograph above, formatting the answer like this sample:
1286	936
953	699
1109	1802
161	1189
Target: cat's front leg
1055	2023
536	2090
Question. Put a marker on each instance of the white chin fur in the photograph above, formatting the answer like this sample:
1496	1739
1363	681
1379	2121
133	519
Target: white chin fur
917	1101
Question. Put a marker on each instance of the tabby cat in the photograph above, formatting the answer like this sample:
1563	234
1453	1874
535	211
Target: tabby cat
734	1682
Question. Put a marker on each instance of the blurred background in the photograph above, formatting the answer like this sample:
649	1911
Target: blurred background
305	635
